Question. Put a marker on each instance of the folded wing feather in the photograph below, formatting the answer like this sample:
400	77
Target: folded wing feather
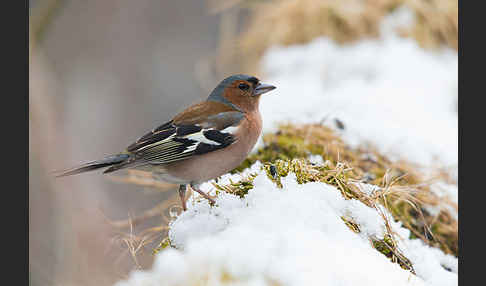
174	141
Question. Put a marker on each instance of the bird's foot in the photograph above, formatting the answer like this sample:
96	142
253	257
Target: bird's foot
206	196
182	195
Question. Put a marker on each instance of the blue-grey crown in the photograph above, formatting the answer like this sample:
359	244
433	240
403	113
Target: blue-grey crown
217	93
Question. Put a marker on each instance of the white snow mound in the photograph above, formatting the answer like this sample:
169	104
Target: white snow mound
288	236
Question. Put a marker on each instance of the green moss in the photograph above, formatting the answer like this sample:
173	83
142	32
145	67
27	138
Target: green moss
240	188
352	225
162	245
279	146
382	247
387	247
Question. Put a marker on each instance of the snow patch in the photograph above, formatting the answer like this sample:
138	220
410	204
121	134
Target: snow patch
388	92
288	236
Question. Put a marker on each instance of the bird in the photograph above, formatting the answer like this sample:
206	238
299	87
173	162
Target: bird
203	142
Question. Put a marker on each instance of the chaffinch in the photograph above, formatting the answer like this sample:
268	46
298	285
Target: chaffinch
203	142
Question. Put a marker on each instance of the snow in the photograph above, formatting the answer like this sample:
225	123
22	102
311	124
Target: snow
387	92
288	236
316	160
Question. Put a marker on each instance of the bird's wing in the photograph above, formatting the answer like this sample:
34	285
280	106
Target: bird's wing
201	129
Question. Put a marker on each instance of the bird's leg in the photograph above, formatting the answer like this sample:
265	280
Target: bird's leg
206	196
182	195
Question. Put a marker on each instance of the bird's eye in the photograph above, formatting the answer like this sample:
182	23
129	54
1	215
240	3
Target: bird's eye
243	86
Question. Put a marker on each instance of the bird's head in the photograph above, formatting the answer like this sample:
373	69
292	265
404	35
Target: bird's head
241	92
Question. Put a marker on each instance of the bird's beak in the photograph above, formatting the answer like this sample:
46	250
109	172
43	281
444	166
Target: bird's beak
263	88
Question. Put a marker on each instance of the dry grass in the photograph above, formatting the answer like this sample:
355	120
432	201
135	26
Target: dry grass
288	22
135	243
437	23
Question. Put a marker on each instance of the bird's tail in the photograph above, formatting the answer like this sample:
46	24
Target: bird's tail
90	166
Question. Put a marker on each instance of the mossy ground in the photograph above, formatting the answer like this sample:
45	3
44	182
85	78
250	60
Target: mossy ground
402	189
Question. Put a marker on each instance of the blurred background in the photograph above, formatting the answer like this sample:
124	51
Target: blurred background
102	73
